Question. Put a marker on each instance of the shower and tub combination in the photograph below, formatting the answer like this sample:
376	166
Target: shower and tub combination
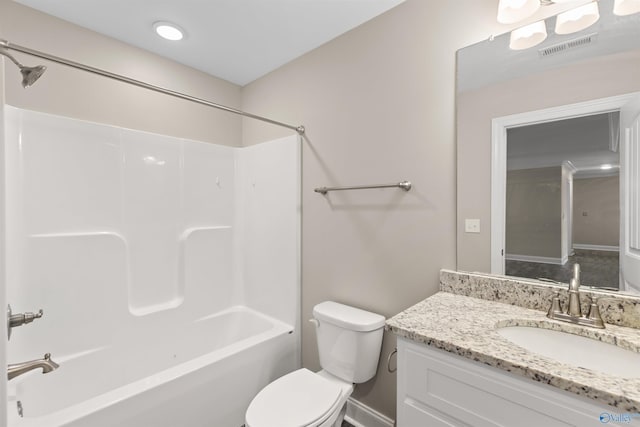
167	271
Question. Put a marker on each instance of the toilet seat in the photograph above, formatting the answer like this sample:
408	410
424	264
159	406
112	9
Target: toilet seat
301	398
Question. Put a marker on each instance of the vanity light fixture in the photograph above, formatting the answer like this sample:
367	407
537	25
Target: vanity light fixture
577	19
168	31
528	36
626	7
570	21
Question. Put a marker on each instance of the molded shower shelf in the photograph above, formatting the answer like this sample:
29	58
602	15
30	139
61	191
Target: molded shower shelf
80	234
150	309
189	231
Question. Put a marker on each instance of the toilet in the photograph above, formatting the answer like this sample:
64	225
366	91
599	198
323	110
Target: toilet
349	341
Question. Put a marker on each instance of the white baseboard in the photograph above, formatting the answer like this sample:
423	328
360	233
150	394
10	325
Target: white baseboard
361	415
538	259
596	247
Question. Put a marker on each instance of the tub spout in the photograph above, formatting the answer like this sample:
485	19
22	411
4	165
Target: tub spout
46	364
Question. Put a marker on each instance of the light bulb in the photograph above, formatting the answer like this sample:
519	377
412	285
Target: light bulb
511	11
168	31
626	7
528	36
577	19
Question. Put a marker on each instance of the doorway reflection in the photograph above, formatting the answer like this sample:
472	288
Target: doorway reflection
563	200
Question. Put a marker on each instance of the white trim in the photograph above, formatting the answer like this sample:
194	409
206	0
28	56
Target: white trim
566	211
361	415
596	247
498	193
3	246
499	128
538	259
629	233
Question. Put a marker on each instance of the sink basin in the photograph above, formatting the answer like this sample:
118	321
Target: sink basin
575	350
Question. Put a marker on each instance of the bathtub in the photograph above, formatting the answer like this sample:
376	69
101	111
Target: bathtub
203	375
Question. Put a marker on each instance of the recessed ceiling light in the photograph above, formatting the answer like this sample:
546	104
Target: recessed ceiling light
168	31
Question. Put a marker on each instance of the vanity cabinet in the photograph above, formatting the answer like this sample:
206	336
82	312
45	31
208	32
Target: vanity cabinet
438	389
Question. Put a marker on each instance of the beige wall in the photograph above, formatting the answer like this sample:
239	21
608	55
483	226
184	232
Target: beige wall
378	104
596	211
68	92
533	212
616	74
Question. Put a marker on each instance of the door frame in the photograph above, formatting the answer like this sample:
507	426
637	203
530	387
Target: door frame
499	126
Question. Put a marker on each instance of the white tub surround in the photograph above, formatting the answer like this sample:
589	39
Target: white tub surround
468	327
167	269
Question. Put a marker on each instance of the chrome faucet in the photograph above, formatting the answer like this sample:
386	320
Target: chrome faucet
46	364
574	311
574	308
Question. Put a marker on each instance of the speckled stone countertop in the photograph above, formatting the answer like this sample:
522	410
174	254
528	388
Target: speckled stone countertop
468	326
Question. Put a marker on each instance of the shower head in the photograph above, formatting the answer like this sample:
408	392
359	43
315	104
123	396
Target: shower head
29	74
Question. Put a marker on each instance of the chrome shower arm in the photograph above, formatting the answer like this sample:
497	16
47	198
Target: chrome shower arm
8	55
29	74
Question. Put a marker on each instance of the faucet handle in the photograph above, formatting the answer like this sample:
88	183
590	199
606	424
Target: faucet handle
555	305
594	312
14	320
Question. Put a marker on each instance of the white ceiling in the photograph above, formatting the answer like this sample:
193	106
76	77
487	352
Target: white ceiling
236	40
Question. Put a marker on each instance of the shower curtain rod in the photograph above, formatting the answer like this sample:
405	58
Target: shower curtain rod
11	46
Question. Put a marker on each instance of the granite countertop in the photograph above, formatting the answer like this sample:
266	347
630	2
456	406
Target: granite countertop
468	327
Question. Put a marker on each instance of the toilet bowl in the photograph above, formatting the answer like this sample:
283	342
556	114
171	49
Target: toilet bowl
349	341
301	398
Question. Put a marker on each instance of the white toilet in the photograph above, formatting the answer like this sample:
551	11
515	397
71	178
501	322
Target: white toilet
349	341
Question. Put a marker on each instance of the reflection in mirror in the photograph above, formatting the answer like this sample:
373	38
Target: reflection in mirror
578	211
562	200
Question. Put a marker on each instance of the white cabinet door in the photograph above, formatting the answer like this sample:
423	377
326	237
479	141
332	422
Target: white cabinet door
436	388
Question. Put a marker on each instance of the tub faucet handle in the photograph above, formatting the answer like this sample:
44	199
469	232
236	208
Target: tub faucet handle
14	320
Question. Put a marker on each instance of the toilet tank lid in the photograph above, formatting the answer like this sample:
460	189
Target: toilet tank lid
348	317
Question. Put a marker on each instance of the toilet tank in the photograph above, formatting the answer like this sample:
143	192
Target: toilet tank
349	340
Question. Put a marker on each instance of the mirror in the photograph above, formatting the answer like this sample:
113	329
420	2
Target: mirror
563	91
